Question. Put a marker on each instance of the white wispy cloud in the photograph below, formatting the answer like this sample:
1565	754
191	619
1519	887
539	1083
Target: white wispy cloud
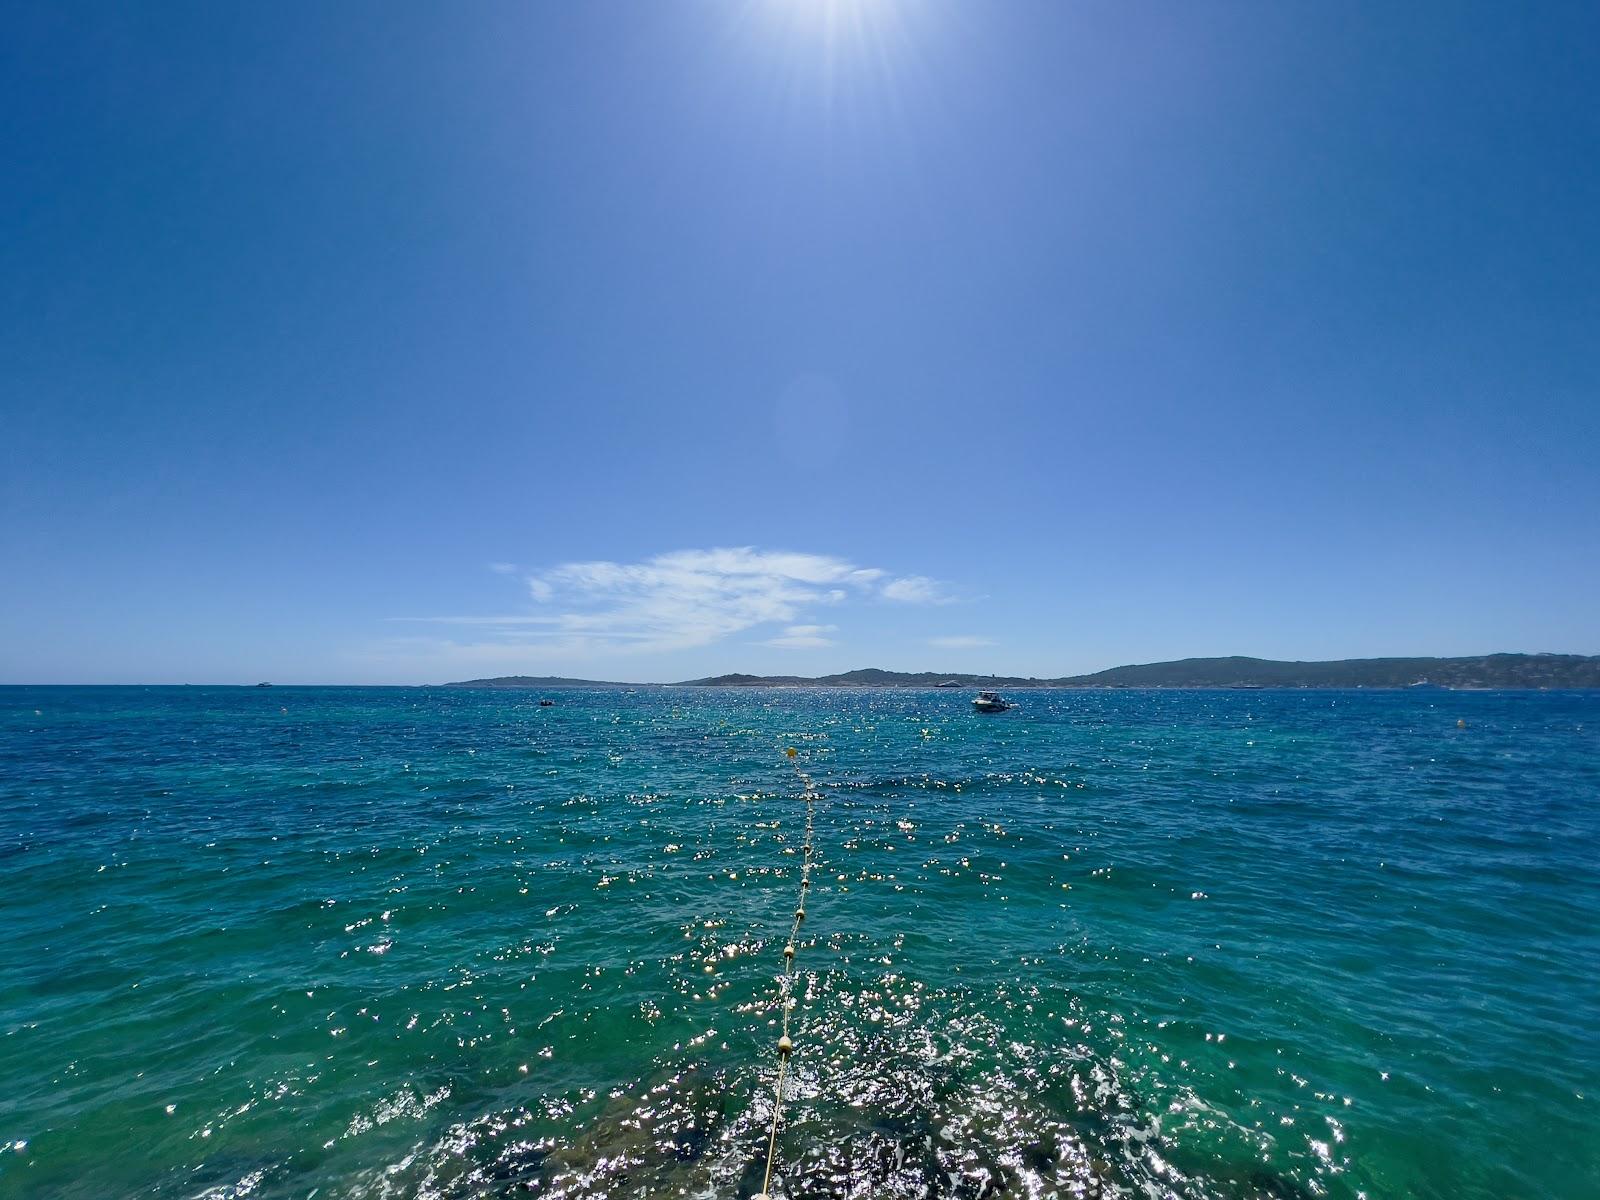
960	641
803	637
687	599
503	568
916	589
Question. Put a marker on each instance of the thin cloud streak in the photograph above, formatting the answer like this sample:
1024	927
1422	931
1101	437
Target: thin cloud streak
916	589
804	637
689	599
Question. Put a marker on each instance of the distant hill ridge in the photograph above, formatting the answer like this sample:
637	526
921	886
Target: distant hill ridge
1479	671
542	681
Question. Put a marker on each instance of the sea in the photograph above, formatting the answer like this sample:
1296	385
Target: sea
406	942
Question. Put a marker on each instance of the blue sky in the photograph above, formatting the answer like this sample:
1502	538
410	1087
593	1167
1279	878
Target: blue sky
404	342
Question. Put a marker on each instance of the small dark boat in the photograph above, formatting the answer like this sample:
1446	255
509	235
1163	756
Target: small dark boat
990	702
547	704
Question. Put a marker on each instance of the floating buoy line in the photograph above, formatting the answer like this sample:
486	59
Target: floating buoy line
786	1000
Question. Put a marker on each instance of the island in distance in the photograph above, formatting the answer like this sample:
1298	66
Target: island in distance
542	681
1497	671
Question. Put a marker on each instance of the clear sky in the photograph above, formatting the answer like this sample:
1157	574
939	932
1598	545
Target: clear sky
401	342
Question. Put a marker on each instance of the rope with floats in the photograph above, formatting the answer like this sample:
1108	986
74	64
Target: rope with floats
786	983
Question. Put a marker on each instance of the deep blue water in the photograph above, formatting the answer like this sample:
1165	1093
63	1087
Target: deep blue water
395	942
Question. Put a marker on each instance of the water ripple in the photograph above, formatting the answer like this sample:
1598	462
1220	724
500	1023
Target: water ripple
390	942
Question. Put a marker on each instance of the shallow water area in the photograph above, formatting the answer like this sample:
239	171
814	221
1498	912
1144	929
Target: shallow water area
434	942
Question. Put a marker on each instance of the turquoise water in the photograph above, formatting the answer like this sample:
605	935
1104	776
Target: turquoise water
388	942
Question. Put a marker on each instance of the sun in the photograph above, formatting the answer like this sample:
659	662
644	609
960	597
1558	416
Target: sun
842	44
832	20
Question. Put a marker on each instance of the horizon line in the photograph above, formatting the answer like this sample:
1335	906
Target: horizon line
814	679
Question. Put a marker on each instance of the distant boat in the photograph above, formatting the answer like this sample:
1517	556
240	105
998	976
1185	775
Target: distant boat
949	683
263	685
547	704
1426	685
990	702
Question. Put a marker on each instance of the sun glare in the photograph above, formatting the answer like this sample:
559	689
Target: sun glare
838	24
834	48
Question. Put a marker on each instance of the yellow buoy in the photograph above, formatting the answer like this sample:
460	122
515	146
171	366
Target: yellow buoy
791	752
1461	724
